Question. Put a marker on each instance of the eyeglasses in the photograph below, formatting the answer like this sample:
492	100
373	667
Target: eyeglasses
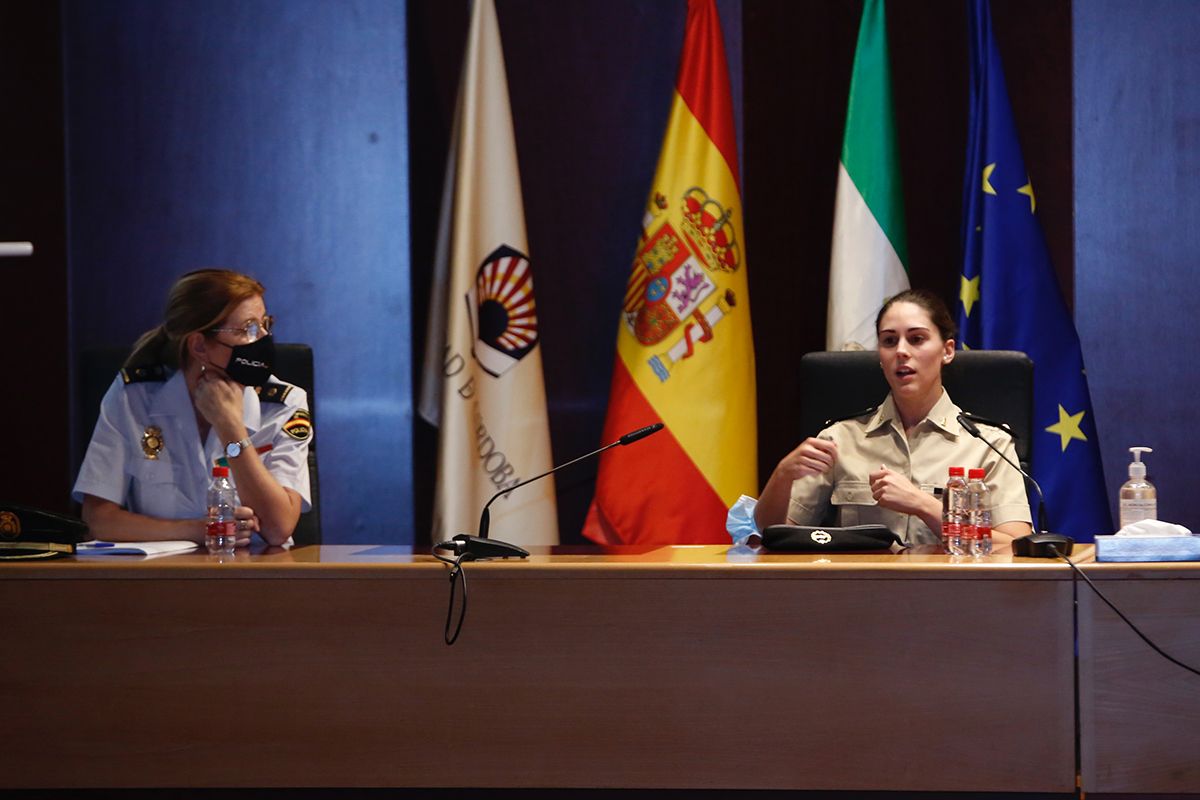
252	331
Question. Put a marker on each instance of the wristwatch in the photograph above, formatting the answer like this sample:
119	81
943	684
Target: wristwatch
234	449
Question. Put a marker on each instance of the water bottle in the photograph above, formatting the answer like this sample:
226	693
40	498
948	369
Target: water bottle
979	514
954	500
222	527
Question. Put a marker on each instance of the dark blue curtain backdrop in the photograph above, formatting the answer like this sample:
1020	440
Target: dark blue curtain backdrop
269	136
1137	233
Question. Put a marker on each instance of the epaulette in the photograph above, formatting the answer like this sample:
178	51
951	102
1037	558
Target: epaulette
274	392
1004	426
855	415
142	374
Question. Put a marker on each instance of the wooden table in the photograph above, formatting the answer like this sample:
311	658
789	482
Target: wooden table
1139	713
686	667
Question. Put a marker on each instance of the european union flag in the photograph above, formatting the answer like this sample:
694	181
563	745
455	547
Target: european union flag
1010	298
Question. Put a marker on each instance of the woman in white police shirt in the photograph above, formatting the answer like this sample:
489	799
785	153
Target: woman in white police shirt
882	466
195	389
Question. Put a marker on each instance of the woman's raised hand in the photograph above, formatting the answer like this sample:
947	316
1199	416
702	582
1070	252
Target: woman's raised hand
220	400
812	457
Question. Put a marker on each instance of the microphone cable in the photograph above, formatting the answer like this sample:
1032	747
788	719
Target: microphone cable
1124	618
457	572
473	548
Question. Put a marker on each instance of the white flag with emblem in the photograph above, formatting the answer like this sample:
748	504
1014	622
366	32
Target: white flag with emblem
482	382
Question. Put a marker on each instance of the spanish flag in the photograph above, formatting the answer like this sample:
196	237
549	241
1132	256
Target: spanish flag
685	354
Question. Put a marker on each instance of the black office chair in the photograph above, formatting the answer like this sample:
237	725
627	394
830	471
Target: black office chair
995	384
293	363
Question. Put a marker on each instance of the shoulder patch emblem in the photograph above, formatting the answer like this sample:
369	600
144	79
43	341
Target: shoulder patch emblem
275	392
143	374
299	426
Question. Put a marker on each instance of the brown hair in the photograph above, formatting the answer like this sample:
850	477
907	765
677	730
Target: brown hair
939	315
198	301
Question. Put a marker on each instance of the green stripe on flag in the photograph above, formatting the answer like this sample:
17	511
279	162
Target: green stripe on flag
869	150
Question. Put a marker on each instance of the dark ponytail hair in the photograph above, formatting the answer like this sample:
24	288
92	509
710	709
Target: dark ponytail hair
939	315
198	301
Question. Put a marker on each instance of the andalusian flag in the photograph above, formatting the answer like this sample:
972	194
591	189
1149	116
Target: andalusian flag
1011	300
870	248
483	381
685	355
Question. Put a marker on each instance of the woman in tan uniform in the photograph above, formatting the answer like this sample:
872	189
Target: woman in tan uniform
883	467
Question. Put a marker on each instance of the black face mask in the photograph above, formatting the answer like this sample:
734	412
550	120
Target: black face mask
250	364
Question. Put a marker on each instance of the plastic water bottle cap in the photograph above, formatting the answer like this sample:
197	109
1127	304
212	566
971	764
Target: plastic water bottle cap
220	472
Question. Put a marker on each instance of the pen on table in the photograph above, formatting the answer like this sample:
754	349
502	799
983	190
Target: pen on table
100	544
266	448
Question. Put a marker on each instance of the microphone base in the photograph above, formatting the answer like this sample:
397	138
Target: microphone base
1042	545
477	549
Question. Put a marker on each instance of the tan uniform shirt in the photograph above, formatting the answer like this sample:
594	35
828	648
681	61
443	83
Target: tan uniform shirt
937	443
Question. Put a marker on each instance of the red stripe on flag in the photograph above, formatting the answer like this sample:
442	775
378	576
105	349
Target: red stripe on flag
649	492
703	80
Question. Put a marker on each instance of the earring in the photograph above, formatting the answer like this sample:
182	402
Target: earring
202	368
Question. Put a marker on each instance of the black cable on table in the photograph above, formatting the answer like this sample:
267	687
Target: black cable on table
1124	618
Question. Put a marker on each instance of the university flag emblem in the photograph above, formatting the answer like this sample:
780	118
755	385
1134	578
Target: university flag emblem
502	311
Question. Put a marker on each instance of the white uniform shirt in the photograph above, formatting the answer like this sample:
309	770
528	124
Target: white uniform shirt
936	443
174	484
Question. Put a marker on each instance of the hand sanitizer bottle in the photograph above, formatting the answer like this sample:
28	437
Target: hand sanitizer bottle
1138	499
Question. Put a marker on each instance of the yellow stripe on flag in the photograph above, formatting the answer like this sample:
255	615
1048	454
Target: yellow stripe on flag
688	343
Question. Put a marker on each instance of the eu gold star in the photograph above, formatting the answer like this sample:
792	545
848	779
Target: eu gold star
1067	427
968	292
987	173
1028	189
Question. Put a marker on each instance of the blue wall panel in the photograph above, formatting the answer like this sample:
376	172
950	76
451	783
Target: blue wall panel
268	136
1137	207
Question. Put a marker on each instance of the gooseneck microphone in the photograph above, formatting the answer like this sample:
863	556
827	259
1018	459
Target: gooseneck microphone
1041	543
970	427
477	547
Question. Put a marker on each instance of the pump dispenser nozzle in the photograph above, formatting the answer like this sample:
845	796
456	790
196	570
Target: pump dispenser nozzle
1137	469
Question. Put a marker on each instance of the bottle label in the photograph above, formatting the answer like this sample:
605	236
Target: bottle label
1137	510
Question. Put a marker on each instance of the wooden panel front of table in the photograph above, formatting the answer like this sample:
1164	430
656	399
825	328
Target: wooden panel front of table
1139	713
677	667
